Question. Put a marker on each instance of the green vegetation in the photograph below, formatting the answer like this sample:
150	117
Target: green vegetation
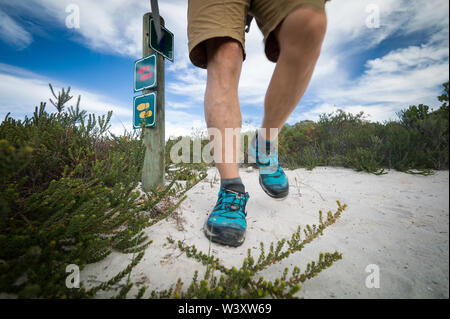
418	141
69	194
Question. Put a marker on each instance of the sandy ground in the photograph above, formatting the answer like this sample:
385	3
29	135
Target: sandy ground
398	221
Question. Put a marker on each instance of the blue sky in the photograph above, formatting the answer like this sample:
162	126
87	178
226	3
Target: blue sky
378	69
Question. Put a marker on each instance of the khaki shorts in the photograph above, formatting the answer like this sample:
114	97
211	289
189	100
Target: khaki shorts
226	18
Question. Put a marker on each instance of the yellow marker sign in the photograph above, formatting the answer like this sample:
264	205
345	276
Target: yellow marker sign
143	115
144	110
143	106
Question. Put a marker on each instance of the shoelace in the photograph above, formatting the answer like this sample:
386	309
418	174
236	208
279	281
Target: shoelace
237	204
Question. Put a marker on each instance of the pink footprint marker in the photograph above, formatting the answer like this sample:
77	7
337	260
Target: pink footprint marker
145	69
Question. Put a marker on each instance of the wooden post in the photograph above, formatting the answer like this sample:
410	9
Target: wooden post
153	173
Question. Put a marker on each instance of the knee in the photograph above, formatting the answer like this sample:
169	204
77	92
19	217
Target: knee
224	62
315	26
304	29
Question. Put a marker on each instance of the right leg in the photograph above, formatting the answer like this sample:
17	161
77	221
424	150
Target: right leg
222	110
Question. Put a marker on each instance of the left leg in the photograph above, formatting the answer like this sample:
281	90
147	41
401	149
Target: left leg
295	44
300	38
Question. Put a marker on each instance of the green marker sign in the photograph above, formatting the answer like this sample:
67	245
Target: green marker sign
144	110
145	73
165	46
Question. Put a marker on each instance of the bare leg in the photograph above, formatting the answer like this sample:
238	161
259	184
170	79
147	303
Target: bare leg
222	108
300	37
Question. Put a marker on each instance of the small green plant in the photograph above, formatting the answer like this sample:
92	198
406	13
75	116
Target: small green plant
245	282
69	195
309	157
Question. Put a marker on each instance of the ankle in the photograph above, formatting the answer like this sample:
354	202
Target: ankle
270	145
234	184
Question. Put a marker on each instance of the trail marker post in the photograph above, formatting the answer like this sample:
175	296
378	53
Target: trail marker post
153	172
144	110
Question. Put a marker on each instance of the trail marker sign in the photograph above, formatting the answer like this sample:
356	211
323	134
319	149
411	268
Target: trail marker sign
144	110
145	74
165	45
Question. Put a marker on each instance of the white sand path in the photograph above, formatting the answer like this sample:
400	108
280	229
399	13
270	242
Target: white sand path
398	221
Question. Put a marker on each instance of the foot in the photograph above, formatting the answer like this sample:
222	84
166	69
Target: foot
226	224
272	178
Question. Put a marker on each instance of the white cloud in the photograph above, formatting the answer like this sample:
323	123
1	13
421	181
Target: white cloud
183	123
256	70
22	90
401	78
413	57
392	80
347	21
108	26
374	113
12	33
177	105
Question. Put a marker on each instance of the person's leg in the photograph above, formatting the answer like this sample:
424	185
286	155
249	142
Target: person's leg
222	108
217	43
227	222
300	38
